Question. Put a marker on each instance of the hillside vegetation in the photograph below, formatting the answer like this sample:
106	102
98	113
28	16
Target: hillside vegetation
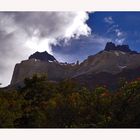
44	104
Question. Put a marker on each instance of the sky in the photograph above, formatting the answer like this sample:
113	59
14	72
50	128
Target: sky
69	36
118	27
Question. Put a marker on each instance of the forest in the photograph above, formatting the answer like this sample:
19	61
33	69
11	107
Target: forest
65	104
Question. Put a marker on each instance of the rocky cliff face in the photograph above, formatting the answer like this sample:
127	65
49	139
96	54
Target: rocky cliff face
54	70
113	60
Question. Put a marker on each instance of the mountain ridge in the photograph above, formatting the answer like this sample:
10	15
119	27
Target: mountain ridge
113	60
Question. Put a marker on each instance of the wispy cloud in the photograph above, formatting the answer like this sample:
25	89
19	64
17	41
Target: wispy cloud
119	41
109	20
115	30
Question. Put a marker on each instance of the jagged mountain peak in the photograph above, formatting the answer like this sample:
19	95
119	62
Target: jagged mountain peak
124	48
112	60
43	56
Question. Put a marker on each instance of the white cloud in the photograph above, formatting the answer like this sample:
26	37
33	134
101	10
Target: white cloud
112	28
119	41
109	20
119	35
78	27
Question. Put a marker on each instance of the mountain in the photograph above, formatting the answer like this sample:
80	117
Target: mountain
124	48
113	59
44	56
42	63
105	67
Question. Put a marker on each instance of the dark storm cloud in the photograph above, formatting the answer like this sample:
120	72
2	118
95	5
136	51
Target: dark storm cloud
38	23
50	24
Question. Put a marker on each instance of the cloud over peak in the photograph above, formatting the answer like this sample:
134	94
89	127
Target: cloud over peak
23	33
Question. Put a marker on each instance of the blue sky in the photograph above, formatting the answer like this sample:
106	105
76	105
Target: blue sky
127	22
118	27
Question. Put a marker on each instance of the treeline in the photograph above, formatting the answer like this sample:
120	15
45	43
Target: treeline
44	104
